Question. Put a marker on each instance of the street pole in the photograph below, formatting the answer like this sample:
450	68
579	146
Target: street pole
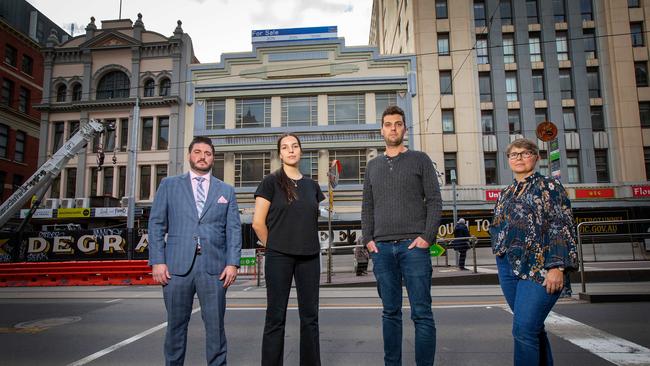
132	165
453	192
331	233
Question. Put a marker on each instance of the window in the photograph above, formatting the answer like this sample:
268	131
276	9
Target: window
441	9
485	86
566	85
450	164
121	182
559	11
602	166
448	125
487	122
11	56
482	56
165	85
479	13
161	172
443	44
644	114
61	93
597	118
309	164
3	177
109	137
633	3
573	166
542	166
514	121
593	82
71	183
569	119
147	134
535	48
23	100
531	11
511	86
490	160
587	10
562	46
149	88
57	140
215	114
538	85
508	49
94	175
636	32
4	140
641	73
445	83
646	157
300	111
540	115
253	113
346	109
124	134
115	84
55	187
250	168
145	182
218	166
163	133
76	92
74	127
383	101
353	163
108	181
7	93
19	153
28	65
506	12
589	38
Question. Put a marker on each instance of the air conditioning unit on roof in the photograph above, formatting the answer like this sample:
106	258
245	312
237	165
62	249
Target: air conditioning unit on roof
67	203
52	203
83	202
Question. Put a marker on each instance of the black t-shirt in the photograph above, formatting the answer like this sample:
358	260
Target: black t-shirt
293	228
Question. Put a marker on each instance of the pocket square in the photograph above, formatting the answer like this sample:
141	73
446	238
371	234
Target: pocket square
222	199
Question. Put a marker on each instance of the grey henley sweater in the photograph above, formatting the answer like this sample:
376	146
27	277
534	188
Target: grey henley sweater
401	198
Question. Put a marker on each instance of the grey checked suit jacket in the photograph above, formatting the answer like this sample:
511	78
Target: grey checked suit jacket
174	213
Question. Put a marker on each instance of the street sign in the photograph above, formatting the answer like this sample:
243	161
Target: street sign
436	250
334	172
554	158
247	258
546	131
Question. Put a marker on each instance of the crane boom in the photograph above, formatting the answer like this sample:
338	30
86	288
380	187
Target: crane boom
48	171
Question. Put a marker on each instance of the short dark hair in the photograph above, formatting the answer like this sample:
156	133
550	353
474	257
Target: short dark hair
523	143
392	109
200	140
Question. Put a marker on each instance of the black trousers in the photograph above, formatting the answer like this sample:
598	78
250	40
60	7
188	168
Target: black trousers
279	270
462	254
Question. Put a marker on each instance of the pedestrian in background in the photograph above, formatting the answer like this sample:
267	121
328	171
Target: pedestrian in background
400	216
461	245
534	239
286	223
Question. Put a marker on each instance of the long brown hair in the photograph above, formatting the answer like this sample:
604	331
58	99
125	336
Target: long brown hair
286	184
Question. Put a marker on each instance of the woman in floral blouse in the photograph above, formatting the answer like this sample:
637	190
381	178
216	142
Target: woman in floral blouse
534	238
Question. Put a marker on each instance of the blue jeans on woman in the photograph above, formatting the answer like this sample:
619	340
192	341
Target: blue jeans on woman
530	304
394	263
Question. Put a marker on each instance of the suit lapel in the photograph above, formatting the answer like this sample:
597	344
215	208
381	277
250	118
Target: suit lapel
187	188
212	194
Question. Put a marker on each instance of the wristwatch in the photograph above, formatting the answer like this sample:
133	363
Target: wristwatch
561	269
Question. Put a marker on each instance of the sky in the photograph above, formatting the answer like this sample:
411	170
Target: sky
218	26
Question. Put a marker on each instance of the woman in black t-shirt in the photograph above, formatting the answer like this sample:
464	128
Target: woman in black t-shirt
286	223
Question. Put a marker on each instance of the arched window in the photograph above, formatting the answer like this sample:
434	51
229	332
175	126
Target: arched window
149	88
165	84
76	92
61	92
113	85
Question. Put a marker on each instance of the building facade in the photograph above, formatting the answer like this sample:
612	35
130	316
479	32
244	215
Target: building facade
103	75
331	95
490	71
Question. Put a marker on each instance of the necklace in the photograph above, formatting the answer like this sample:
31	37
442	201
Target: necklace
295	183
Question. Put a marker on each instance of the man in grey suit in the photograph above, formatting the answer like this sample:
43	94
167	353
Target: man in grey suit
200	255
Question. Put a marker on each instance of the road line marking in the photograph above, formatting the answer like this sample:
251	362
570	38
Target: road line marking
125	342
616	350
258	307
110	301
247	288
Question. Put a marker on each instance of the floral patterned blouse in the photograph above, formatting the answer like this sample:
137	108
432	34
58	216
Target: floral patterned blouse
533	225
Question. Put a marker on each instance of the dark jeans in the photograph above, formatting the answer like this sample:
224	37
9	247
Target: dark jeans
462	255
530	304
394	263
279	270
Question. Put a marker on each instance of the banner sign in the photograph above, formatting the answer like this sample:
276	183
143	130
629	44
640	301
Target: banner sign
41	213
72	213
597	193
110	211
640	191
293	34
492	194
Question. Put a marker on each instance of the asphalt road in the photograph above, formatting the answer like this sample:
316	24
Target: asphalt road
125	326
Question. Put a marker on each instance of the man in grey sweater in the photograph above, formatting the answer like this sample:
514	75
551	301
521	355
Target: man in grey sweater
400	217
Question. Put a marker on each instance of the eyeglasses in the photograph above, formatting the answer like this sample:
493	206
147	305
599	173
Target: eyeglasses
524	155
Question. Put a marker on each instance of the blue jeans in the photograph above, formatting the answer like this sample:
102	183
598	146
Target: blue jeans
394	263
530	304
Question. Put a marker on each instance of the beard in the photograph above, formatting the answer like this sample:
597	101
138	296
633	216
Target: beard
394	141
202	170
